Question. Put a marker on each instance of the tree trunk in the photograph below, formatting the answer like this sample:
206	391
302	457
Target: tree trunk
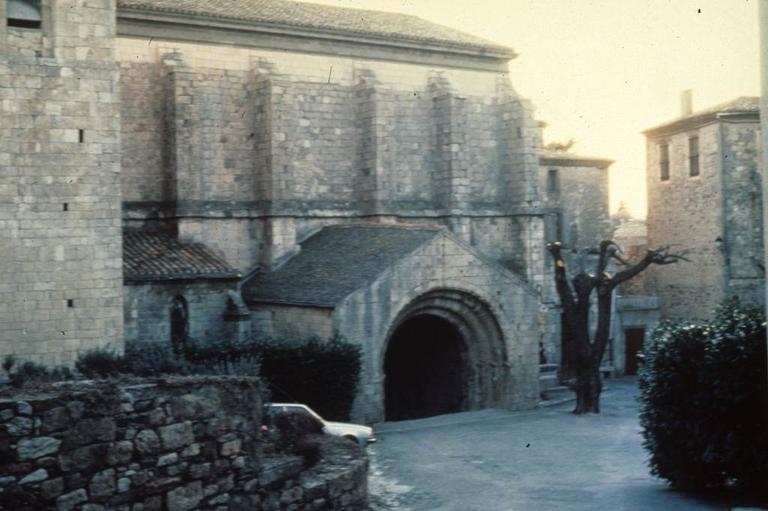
588	389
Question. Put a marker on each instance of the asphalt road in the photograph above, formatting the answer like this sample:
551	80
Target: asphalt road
541	460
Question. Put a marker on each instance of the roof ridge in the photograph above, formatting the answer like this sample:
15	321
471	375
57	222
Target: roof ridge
321	17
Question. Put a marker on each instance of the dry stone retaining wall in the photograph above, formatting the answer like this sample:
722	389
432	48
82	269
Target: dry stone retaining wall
172	444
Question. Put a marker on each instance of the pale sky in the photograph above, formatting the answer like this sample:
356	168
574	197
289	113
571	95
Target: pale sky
601	71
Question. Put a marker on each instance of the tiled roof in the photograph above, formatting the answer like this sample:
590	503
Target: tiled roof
285	13
337	261
740	105
157	256
564	158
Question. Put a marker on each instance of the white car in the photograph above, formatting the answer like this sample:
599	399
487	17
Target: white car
362	435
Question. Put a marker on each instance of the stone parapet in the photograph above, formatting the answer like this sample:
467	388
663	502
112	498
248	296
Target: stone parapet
162	444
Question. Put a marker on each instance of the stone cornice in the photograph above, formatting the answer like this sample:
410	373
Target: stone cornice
201	29
147	210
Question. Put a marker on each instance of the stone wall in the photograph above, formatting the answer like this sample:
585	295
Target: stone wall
580	195
147	308
60	242
478	296
743	207
255	144
685	213
173	444
293	322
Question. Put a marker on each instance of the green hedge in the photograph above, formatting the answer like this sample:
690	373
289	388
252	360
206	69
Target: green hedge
704	401
322	374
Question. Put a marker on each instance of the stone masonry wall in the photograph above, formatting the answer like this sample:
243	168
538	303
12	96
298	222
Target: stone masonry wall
261	141
147	309
174	444
582	197
293	322
743	230
368	316
60	242
685	213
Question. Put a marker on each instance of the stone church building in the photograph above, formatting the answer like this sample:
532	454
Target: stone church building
176	168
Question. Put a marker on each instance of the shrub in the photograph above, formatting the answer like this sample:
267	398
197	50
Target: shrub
703	401
100	363
321	374
28	372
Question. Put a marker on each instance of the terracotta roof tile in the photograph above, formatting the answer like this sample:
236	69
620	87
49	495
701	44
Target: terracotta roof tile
157	256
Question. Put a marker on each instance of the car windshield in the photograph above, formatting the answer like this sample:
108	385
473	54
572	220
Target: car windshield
297	409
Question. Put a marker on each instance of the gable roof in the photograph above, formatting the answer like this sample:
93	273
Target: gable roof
747	105
149	256
321	18
337	261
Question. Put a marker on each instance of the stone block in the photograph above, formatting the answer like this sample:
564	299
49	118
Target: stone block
185	497
177	435
35	477
33	448
146	442
71	500
102	484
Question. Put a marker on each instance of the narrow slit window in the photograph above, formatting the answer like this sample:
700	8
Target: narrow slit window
664	162
65	206
81	136
70	303
693	156
553	182
24	14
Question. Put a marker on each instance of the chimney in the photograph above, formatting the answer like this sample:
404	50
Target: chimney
541	125
686	103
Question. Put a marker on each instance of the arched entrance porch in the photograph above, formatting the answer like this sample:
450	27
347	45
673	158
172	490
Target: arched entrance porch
445	353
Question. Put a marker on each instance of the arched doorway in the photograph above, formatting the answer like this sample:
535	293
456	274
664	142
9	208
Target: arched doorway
179	324
445	353
425	366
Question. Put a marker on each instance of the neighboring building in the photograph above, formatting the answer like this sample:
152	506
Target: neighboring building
262	138
575	196
574	192
705	201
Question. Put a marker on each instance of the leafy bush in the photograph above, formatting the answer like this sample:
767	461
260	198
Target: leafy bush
703	401
321	374
99	363
28	372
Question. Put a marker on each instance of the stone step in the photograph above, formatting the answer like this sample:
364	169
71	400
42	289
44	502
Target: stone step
547	368
548	381
558	393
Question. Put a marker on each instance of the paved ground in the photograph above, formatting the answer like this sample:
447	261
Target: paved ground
543	460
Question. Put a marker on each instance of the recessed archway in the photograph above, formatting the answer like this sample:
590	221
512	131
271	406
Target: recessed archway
445	353
425	365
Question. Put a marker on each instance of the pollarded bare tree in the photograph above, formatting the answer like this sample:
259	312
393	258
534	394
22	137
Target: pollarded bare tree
575	301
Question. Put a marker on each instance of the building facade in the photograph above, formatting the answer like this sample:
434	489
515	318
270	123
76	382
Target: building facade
164	156
705	201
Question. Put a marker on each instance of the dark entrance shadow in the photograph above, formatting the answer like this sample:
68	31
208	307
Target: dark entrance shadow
425	369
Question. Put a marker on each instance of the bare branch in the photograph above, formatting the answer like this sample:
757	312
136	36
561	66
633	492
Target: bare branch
660	256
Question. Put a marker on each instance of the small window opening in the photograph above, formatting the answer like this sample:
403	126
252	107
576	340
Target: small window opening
81	136
179	324
693	156
664	162
70	303
65	206
553	182
24	14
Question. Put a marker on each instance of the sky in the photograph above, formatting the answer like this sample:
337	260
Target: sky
602	71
